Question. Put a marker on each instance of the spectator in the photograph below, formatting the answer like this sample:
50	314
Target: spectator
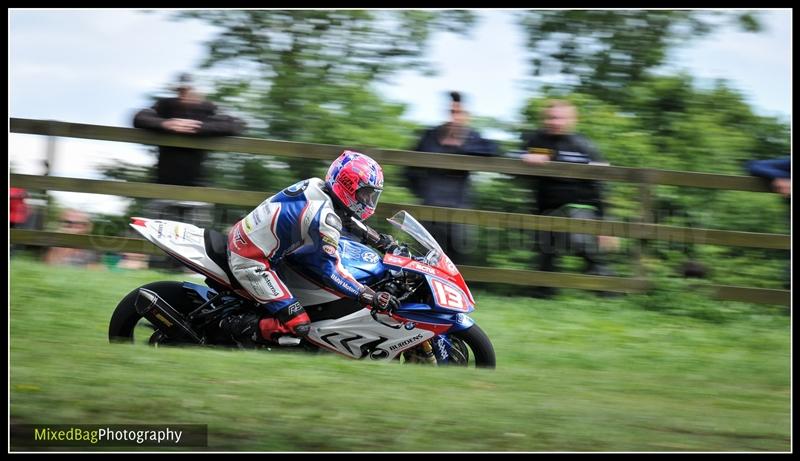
779	174
778	171
17	213
17	208
73	222
556	141
189	113
449	188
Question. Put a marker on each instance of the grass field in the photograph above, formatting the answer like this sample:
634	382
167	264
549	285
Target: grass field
577	373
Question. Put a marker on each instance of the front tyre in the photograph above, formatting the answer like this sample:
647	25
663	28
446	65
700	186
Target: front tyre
470	347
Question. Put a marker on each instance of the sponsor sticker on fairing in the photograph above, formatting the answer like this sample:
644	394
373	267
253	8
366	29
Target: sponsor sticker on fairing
395	260
370	257
422	268
329	249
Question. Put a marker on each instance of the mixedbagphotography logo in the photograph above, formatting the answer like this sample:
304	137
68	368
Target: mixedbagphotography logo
108	435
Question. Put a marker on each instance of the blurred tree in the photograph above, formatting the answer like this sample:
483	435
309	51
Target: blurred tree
307	75
602	52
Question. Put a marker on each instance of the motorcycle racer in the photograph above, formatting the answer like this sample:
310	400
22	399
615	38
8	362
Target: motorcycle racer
302	224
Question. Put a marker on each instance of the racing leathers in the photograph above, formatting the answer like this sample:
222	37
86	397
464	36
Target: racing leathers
301	226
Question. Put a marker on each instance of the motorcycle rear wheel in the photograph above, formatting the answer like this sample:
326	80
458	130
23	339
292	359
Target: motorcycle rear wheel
127	326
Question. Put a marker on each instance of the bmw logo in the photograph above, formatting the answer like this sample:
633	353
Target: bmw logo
370	257
410	325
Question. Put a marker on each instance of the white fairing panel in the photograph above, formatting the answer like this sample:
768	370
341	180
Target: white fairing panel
181	240
348	334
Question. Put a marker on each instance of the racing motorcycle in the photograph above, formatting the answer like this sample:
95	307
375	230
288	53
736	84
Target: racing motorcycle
431	326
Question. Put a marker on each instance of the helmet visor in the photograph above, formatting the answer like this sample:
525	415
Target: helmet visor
369	196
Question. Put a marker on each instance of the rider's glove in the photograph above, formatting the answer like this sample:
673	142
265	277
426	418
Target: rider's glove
381	300
386	243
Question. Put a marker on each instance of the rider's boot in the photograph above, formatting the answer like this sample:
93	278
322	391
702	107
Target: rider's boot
291	320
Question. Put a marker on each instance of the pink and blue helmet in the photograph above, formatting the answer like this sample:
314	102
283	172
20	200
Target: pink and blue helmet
357	181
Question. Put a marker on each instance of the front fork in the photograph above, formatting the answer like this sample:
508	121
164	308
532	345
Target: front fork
442	348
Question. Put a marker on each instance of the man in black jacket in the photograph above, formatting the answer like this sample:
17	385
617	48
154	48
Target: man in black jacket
449	188
566	197
189	114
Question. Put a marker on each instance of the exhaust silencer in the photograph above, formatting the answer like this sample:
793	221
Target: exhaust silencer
163	316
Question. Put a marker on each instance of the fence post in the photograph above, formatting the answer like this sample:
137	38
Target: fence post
646	217
50	158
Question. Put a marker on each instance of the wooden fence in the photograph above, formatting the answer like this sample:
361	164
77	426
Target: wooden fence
643	230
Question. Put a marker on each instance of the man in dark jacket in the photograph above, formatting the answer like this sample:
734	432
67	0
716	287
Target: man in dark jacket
449	188
778	171
566	197
190	114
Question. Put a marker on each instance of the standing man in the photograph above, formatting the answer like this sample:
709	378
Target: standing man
556	141
190	114
449	188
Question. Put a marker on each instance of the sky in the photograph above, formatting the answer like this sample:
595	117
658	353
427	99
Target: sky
100	66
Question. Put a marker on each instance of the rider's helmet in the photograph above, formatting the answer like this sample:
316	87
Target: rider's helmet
356	181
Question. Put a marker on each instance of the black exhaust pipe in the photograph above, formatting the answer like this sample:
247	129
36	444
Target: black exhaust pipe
163	316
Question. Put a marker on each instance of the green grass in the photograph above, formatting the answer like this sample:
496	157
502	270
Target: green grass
577	373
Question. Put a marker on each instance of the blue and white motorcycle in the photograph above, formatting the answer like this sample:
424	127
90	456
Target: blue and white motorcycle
431	326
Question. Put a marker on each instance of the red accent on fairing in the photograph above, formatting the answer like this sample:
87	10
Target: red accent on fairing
432	327
436	328
447	296
421	268
416	266
461	283
142	222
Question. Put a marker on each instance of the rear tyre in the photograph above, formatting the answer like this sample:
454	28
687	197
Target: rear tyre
127	326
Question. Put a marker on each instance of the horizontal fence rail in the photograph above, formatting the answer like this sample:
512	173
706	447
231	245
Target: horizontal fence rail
471	273
642	230
491	219
397	157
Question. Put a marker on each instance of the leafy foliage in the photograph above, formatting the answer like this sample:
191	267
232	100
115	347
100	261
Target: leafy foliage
602	52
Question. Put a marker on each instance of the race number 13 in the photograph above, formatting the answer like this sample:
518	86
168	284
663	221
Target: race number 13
447	296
